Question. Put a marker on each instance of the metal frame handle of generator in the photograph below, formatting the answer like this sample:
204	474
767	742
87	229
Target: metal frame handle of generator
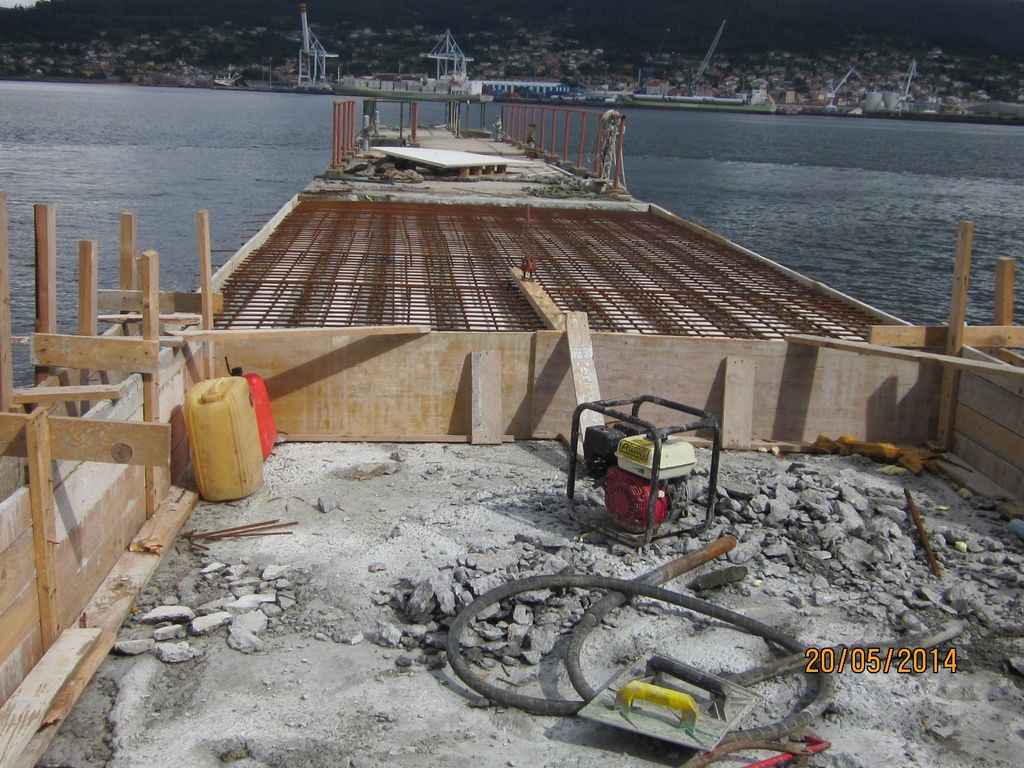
656	435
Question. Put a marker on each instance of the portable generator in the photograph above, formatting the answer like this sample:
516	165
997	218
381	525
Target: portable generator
642	468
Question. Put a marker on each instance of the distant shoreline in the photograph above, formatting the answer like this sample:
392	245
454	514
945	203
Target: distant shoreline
1013	121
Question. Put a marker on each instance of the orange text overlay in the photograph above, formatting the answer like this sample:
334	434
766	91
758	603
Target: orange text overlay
874	659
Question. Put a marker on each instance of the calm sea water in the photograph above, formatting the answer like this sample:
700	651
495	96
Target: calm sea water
870	207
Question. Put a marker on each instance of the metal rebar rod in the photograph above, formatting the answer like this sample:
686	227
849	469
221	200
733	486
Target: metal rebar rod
923	535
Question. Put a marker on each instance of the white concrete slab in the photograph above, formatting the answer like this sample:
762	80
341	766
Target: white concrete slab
448	158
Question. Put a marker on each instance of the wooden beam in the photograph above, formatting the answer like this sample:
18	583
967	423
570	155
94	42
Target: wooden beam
954	338
46	274
44	522
108	609
104	353
299	334
485	427
129	236
48	395
25	711
180	319
738	403
6	365
205	287
584	371
919	336
1003	314
88	268
540	300
149	275
110	300
947	361
110	441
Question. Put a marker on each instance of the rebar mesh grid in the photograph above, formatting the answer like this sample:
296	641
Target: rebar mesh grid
340	264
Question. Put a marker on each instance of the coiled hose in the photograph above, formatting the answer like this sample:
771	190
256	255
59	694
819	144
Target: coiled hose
821	687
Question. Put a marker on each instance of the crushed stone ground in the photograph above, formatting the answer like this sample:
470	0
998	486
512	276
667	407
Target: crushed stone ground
330	651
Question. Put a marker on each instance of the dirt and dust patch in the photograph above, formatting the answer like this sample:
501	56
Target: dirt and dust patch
346	618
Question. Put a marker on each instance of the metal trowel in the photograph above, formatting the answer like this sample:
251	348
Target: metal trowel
672	701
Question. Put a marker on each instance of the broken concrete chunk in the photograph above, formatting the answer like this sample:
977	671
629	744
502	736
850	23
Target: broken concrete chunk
244	641
721	577
351	638
274	572
203	625
251	602
175	653
254	621
170	632
388	635
367	470
542	639
178	614
534	596
213	568
739	489
134	647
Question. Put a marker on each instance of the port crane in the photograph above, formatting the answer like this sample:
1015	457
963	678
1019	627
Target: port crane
312	58
642	76
905	86
833	92
707	60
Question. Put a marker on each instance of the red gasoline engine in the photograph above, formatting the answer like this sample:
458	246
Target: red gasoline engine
642	468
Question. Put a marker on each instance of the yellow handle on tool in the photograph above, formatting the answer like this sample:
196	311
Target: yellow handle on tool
677	701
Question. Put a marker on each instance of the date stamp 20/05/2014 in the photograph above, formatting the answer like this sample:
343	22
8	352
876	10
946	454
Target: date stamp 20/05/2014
876	659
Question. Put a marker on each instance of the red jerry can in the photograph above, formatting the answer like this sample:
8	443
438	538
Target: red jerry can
264	414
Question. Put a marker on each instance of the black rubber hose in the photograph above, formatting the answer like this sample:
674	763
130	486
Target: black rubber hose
556	706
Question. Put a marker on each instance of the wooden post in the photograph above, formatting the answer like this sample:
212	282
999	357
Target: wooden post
1004	292
46	274
44	522
206	287
149	274
954	339
88	265
129	268
6	365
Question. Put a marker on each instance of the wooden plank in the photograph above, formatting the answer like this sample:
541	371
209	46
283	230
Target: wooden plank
6	364
110	441
48	395
46	275
17	565
19	662
15	516
955	335
485	427
738	403
23	713
108	609
995	402
205	287
991	435
172	318
112	300
104	353
540	300
584	370
129	236
20	625
149	275
88	270
862	348
12	434
300	334
1003	310
990	476
44	510
919	336
397	438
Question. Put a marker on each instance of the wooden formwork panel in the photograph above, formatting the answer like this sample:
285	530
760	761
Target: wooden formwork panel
989	429
383	386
